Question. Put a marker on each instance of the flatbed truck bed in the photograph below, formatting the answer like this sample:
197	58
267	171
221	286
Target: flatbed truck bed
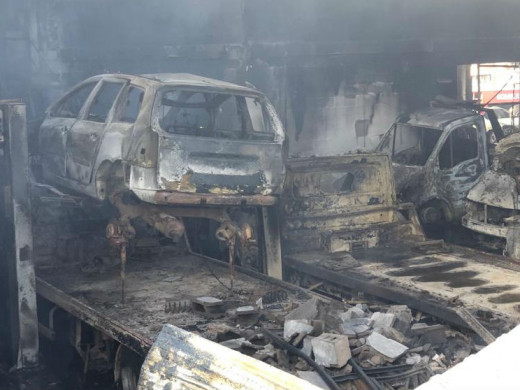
153	282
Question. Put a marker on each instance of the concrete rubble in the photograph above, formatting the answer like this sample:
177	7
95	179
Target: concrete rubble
389	348
394	345
331	350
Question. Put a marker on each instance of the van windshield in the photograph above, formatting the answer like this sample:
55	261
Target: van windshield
412	145
212	114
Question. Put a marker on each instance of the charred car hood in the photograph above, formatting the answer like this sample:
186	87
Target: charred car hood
495	189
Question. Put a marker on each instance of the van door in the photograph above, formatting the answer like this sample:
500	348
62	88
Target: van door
87	133
55	129
461	159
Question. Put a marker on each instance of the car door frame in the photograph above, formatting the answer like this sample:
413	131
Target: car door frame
78	168
450	185
60	126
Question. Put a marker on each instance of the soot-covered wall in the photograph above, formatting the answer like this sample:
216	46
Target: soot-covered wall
338	71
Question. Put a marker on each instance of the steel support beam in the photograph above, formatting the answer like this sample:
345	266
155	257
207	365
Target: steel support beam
17	232
272	246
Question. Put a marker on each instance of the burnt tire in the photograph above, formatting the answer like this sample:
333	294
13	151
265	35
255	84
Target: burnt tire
128	379
434	217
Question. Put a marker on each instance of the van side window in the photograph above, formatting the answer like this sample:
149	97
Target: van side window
461	145
71	106
132	104
103	102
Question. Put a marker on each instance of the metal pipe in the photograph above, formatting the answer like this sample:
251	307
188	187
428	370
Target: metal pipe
123	272
297	352
372	371
231	247
478	82
403	375
371	382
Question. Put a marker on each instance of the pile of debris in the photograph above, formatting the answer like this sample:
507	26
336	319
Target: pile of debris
340	346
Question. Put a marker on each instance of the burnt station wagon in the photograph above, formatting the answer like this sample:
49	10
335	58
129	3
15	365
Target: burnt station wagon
169	138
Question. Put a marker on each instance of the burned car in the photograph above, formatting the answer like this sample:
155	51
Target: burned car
168	138
493	203
343	205
438	154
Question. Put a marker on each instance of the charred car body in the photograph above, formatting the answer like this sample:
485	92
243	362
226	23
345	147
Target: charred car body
343	205
168	138
438	154
166	147
493	202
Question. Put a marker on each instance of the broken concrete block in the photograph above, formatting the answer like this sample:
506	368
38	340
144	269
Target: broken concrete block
292	327
306	311
439	359
403	317
356	327
246	310
208	301
234	343
331	350
382	320
388	348
267	352
413	359
421	328
377	360
359	321
208	306
395	335
348	330
307	345
353	312
301	365
314	378
319	327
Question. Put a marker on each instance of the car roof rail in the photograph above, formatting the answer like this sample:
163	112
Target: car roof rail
441	101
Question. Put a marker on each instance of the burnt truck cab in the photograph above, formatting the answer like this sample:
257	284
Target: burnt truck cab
438	154
168	138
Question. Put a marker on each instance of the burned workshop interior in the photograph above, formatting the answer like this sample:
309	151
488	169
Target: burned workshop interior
276	194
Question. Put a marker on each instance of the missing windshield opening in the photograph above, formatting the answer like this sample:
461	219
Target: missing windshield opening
217	115
413	145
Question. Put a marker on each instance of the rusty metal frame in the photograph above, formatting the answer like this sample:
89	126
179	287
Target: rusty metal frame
18	236
180	198
122	334
93	318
